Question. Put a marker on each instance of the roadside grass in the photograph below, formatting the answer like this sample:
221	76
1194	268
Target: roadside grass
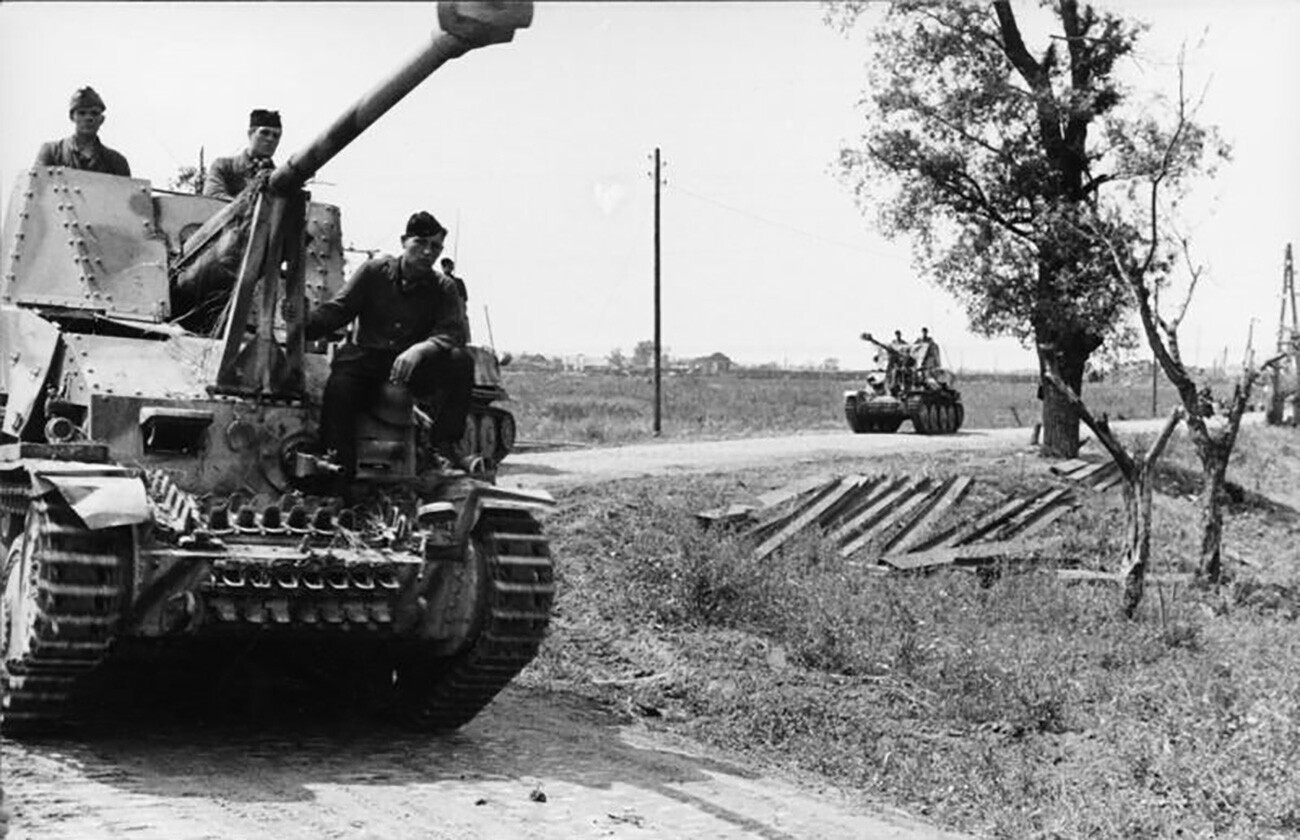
1027	708
582	408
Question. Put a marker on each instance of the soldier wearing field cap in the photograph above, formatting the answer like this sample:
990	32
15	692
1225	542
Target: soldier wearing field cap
227	176
83	150
410	329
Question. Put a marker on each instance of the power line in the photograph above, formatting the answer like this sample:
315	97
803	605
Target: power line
782	225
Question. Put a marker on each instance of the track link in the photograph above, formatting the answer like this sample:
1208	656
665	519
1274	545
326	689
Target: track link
62	618
519	592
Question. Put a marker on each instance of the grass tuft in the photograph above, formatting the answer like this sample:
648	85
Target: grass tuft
1027	708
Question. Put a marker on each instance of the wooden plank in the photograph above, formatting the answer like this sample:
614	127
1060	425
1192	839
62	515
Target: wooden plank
1041	503
1082	475
1109	470
777	519
1044	519
1109	481
1091	576
952	492
856	533
973	553
857	502
993	520
775	497
1065	467
807	517
851	501
922	492
867	502
729	516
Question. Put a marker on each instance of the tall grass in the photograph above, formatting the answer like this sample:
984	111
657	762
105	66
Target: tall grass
608	408
1021	709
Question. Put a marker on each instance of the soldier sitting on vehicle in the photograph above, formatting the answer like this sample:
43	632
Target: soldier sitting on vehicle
410	330
83	149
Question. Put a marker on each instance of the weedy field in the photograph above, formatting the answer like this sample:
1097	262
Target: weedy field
607	408
1022	708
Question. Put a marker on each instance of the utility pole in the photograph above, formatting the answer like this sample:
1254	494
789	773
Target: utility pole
658	427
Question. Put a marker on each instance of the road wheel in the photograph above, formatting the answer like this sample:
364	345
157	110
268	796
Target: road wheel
488	437
469	439
505	435
506	588
851	415
921	420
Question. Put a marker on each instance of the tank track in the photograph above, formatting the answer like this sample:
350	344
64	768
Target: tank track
490	428
862	422
519	592
939	418
77	576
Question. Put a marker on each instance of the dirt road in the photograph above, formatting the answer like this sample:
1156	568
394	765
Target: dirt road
557	469
531	766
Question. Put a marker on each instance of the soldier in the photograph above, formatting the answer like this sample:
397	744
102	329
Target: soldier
227	176
410	330
449	269
83	150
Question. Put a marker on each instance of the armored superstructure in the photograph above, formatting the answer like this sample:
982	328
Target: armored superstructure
909	383
163	496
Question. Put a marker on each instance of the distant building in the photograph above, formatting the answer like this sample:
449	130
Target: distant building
712	365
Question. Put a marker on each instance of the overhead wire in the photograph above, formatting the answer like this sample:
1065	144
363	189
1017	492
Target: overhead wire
782	225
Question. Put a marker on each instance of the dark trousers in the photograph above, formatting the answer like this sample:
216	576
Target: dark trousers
353	386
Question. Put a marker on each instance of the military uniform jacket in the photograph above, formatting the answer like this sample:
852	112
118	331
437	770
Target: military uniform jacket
392	311
65	153
227	176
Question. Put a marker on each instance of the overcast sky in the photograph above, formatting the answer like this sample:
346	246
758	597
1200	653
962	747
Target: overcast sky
537	154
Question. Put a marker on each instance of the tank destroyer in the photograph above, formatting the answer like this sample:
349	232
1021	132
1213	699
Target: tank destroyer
490	430
909	383
161	497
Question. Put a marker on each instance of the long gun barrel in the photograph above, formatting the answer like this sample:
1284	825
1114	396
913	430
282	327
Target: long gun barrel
465	26
866	336
211	257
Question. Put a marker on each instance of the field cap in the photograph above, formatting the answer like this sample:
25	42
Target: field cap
85	98
260	117
423	224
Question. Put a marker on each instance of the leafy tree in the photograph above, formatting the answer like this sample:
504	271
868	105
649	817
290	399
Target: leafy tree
616	359
990	154
187	179
643	354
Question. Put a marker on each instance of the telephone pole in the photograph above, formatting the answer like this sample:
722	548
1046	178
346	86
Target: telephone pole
658	427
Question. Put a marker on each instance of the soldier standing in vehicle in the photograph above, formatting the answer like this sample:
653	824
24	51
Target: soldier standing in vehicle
410	330
449	269
83	149
227	176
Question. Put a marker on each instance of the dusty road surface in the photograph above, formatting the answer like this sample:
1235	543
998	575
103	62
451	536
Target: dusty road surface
580	466
531	766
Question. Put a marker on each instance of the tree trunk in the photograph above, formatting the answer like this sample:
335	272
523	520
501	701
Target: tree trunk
1060	419
1212	496
1137	515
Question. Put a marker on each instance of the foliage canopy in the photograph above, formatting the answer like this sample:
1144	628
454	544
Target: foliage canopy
990	154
